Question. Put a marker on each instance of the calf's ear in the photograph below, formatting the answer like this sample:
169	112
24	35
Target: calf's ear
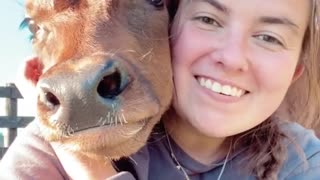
33	68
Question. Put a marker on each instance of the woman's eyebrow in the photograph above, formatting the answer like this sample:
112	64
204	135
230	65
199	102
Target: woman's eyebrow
280	21
219	6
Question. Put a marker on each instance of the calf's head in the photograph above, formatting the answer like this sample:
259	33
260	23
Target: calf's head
102	71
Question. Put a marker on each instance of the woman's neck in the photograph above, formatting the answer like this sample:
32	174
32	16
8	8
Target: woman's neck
204	149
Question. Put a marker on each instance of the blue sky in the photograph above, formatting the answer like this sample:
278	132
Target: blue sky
14	43
14	46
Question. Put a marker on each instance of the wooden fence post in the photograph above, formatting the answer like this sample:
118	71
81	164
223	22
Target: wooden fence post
12	113
11	122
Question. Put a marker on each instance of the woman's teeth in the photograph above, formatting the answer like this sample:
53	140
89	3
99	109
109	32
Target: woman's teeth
219	88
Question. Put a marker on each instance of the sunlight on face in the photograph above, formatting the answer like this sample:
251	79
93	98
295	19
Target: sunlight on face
234	60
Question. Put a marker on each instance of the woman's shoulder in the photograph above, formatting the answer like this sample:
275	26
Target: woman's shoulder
30	156
302	137
303	158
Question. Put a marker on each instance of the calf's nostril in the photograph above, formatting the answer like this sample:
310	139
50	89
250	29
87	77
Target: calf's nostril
110	85
52	99
49	100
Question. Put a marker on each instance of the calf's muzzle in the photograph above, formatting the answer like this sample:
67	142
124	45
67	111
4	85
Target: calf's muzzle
77	94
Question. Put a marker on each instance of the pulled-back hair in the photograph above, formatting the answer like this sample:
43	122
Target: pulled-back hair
266	151
303	98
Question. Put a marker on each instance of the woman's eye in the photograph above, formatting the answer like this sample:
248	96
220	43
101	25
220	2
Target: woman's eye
269	39
208	20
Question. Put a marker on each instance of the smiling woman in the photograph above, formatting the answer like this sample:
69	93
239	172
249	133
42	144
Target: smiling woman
236	63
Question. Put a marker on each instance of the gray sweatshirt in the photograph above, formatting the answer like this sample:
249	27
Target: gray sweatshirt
32	158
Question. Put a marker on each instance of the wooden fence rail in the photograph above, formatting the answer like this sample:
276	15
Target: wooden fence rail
11	122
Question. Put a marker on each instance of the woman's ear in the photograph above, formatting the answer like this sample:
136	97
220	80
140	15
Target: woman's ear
298	72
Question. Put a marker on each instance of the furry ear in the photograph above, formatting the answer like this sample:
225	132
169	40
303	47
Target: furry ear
60	5
33	70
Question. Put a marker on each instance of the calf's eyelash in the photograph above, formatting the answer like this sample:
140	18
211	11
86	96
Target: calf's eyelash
24	24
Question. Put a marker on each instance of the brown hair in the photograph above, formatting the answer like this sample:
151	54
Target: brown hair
266	151
304	95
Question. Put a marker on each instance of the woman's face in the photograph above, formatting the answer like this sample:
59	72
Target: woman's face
234	60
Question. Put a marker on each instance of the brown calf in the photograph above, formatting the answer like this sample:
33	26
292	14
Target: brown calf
102	72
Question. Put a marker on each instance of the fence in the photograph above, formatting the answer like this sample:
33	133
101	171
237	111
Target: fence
11	122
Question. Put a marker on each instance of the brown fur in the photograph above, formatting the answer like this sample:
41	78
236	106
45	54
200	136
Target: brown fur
75	39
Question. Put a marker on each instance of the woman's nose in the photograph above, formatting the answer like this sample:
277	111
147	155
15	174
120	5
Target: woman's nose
232	54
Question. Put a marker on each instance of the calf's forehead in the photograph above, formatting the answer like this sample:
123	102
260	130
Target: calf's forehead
81	27
38	8
132	14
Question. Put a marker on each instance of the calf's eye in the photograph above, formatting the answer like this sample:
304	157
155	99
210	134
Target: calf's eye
31	24
157	3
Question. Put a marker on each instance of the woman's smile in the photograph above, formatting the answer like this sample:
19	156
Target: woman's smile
221	88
